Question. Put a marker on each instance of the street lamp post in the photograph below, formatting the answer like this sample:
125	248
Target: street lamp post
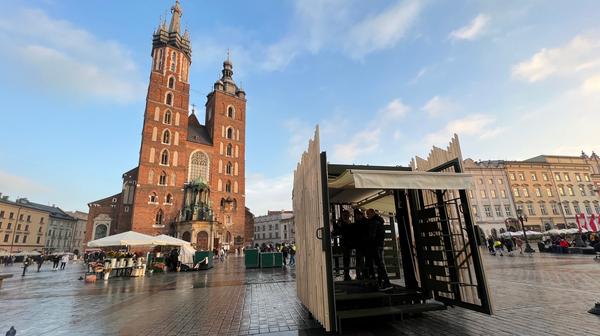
523	218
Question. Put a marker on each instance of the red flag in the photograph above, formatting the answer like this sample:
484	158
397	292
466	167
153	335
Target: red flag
577	220
593	225
585	223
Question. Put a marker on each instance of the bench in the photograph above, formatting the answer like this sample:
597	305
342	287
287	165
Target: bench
4	276
386	311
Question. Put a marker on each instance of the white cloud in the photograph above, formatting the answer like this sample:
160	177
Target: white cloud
591	85
477	126
383	30
473	30
19	186
268	193
437	106
394	110
578	57
362	143
56	55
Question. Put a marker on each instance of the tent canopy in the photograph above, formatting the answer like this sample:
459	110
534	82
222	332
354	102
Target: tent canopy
370	188
164	239
129	238
186	254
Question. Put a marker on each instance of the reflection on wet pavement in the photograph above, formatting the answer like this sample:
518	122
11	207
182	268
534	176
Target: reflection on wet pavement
543	295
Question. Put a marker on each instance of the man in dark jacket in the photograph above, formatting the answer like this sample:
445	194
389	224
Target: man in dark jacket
345	230
376	238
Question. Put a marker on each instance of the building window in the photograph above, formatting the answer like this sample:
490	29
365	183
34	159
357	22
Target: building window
11	215
38	240
545	176
493	193
164	157
490	181
171	82
153	198
166	138
500	181
6	238
554	208
507	210
2	214
503	193
549	192
567	208
24	239
512	176
162	180
229	151
21	217
525	192
483	195
169	199
570	190
567	178
557	176
198	166
16	238
586	177
588	209
169	99
582	190
577	177
488	210
19	227
228	186
576	208
533	176
530	209
538	192
29	218
561	190
522	176
173	61
480	181
230	112
516	192
543	209
167	117
498	210
159	218
597	208
229	169
229	133
26	227
470	193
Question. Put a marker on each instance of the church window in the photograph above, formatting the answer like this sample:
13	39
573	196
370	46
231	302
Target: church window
198	166
162	180
176	139
164	157
159	217
169	199
235	169
166	138
228	186
169	99
153	198
152	154
220	185
235	187
151	176
159	63
157	114
167	118
173	61
229	169
171	82
177	119
230	112
229	133
154	133
229	151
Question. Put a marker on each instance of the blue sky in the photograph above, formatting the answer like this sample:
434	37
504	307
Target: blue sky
385	80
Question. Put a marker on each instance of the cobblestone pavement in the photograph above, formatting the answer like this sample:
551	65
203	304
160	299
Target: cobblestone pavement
540	295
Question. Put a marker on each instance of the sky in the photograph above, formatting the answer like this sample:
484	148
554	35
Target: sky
384	79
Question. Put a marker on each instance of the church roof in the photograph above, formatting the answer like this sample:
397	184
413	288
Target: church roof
198	133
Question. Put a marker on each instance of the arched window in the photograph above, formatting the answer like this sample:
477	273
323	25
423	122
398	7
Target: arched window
173	61
159	217
167	118
171	82
101	231
228	186
164	157
229	169
151	176
153	198
166	138
162	180
169	99
229	133
229	151
198	166
169	199
230	112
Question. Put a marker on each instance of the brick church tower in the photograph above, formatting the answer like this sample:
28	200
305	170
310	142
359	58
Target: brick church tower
190	179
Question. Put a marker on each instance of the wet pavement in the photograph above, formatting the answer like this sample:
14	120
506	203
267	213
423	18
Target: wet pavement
540	295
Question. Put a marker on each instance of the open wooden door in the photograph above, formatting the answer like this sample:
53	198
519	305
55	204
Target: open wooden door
314	280
449	258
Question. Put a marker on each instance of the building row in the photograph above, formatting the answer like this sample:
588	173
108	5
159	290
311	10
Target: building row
27	226
274	228
550	190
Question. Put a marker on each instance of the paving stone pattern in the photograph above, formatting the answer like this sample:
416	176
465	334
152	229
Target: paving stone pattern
540	295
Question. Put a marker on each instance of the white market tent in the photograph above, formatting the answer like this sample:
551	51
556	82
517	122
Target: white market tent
27	253
168	240
129	238
368	186
186	254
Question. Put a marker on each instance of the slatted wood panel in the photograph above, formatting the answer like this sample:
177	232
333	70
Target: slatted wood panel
459	238
313	286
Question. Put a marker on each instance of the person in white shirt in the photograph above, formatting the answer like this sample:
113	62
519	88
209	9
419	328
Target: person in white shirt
63	261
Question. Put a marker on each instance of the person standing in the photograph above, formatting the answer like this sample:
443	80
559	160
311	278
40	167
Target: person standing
26	262
361	230
55	261
284	252
63	261
377	237
292	254
40	261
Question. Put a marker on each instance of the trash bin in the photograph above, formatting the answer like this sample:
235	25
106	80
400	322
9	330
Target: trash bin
251	258
266	260
205	258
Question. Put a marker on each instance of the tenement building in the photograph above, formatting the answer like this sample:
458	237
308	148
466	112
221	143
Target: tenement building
491	201
23	226
190	177
273	228
79	230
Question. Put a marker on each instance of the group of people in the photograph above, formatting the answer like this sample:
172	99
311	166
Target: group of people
288	251
363	233
40	259
499	246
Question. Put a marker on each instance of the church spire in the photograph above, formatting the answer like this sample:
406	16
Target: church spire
175	18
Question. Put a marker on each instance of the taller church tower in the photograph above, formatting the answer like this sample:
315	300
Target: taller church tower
163	153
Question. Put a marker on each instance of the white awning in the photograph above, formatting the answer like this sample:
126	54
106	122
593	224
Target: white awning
129	238
390	179
164	239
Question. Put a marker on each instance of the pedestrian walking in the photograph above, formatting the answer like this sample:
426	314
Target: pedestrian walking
55	261
376	238
293	254
26	262
40	261
63	261
490	243
499	247
284	252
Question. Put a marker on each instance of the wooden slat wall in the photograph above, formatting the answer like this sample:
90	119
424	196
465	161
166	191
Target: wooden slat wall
311	275
437	157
